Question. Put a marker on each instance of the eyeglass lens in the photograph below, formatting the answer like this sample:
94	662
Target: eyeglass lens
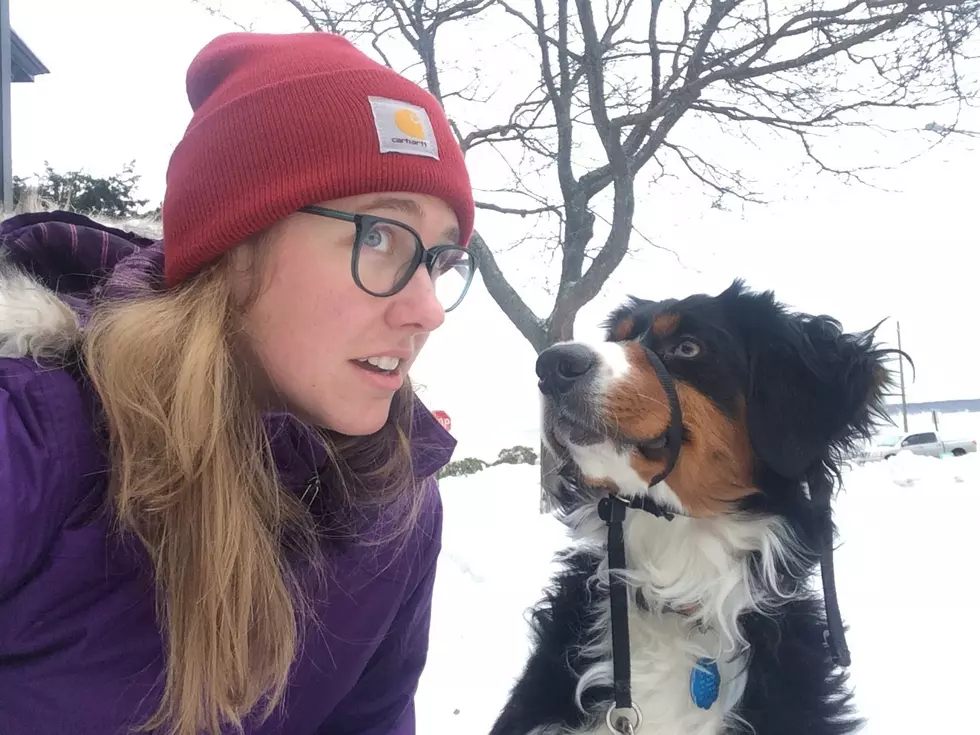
385	256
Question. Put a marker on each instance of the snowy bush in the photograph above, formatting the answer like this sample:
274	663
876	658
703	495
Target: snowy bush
462	467
472	465
517	455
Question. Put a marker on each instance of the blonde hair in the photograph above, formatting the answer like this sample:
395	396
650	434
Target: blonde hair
193	478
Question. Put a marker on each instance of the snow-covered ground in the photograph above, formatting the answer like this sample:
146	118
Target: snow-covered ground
908	530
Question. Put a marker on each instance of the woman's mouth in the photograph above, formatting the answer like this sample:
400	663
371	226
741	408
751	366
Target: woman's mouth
385	372
381	364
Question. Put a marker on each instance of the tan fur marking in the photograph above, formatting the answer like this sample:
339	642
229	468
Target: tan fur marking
637	407
599	483
665	324
624	329
714	468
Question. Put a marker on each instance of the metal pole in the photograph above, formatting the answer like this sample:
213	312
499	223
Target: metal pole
6	164
901	379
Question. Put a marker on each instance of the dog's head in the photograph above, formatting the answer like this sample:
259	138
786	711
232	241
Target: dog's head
767	396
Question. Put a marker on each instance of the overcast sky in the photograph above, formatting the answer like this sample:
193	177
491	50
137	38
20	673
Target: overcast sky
116	93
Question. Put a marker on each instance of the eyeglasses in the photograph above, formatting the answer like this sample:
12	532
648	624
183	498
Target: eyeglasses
387	253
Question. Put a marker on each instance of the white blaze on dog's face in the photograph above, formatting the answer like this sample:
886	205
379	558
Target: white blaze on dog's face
606	411
606	461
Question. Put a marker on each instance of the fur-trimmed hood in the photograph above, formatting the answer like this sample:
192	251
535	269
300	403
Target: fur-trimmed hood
52	266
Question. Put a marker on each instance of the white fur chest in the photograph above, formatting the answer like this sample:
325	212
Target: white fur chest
664	648
700	564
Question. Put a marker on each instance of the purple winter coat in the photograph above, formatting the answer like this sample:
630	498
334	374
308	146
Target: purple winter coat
80	647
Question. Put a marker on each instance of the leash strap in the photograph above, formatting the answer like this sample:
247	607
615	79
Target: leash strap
613	512
820	491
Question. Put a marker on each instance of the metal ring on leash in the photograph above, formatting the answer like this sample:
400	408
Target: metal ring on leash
623	726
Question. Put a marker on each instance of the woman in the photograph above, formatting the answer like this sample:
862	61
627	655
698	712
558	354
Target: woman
217	505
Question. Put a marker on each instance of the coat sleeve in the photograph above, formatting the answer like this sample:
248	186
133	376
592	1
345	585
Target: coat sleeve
39	414
383	701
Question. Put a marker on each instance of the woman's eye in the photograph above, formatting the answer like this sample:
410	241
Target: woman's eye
378	238
687	348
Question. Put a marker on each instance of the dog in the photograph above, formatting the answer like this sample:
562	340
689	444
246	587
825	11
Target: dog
718	573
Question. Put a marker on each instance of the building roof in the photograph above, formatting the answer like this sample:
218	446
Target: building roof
24	65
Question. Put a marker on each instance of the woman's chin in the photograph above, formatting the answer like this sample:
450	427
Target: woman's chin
356	420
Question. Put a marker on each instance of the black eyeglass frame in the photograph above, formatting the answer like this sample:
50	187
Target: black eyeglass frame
363	223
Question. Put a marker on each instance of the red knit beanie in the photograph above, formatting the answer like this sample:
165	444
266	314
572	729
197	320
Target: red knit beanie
282	121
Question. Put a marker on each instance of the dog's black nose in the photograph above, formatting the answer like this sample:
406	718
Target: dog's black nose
561	366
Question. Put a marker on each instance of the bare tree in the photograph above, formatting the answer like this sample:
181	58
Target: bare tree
621	75
609	82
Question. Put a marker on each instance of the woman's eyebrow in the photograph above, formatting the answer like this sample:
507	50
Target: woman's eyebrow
410	207
450	236
394	204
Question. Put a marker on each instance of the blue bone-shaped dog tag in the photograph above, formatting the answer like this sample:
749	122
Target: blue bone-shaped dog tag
705	683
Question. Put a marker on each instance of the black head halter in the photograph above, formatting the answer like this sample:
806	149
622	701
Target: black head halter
675	426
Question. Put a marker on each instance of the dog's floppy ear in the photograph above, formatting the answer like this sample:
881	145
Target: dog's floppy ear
813	390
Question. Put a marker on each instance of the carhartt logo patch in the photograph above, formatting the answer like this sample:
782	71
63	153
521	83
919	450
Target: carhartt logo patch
403	128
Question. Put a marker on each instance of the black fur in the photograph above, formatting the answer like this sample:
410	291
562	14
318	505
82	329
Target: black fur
792	688
809	392
560	625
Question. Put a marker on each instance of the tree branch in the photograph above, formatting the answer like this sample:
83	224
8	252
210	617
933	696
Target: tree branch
539	32
218	13
506	297
307	15
560	98
593	66
519	212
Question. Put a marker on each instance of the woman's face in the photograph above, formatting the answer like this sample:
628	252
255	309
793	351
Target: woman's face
314	329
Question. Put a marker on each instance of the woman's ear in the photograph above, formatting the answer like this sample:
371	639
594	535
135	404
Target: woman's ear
248	267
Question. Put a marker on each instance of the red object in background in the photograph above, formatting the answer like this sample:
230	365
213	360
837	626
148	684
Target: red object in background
443	418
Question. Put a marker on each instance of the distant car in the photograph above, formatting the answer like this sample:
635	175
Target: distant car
927	443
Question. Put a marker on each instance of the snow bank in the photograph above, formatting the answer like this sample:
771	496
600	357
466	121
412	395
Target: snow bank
496	559
906	571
